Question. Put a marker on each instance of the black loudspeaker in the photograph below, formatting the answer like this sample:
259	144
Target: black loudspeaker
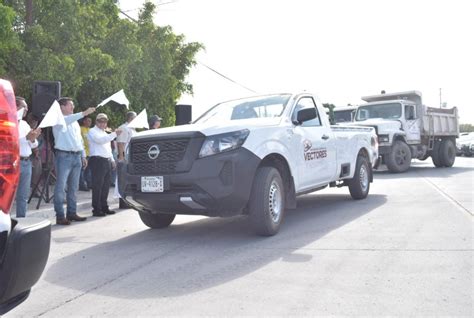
44	94
183	114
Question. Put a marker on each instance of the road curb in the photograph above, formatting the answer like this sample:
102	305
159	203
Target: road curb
82	207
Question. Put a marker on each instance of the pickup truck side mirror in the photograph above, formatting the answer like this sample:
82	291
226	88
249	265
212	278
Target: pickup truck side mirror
305	115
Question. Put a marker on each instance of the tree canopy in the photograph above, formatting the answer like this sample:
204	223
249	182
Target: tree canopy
86	46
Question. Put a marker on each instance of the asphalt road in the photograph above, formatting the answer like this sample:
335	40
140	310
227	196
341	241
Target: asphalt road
405	250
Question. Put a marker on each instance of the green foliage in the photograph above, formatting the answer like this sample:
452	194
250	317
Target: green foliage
85	45
466	128
9	41
330	111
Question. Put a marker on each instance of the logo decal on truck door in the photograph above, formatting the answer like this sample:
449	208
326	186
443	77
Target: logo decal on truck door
312	154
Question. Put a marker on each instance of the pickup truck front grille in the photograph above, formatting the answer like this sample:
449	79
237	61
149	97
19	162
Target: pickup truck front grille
171	152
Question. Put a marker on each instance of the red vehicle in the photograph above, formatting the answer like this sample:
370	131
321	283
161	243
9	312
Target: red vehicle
24	243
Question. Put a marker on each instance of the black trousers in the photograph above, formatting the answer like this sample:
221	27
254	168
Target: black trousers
100	170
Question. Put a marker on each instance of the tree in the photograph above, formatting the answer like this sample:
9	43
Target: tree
466	128
10	41
330	112
85	45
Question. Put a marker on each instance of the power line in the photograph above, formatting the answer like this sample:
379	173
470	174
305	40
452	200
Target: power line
156	4
206	66
227	78
133	19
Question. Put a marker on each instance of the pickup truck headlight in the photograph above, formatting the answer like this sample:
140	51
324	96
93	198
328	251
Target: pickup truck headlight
383	138
223	142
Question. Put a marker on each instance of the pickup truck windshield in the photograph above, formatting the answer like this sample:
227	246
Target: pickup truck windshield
385	111
254	107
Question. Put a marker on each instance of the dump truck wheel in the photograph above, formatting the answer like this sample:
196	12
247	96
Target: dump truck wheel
399	159
436	155
447	153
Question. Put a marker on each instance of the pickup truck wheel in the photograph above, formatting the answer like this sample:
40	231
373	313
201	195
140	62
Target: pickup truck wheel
447	153
267	202
156	221
359	184
399	159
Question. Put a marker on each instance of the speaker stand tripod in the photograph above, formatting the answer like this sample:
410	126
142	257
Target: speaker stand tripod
46	176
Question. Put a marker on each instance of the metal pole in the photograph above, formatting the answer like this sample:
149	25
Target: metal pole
440	103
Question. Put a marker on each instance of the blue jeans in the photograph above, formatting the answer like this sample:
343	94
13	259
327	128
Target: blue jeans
68	169
23	190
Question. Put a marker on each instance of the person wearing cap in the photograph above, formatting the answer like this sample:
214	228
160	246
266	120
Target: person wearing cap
101	162
154	122
69	158
27	143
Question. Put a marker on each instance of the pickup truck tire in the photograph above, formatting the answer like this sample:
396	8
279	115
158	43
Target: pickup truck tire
267	202
399	159
359	184
156	221
447	153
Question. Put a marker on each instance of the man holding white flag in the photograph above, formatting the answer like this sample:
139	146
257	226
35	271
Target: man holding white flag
69	159
122	143
53	117
101	161
127	134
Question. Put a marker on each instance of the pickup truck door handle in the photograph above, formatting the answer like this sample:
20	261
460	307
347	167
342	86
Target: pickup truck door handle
325	137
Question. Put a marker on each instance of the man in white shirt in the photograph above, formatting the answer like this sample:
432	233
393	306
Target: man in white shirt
27	142
122	143
69	158
127	133
101	161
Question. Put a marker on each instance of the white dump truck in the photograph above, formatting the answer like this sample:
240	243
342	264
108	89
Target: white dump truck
249	156
407	129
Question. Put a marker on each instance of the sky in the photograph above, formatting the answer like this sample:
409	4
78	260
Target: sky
338	50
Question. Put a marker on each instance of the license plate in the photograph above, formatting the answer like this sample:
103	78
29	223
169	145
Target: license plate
152	184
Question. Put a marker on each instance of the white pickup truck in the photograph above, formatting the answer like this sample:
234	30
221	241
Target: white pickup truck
248	156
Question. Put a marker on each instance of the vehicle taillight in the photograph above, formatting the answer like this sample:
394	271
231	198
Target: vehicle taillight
9	152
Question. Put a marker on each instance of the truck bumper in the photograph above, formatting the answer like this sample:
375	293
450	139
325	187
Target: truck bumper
384	149
25	257
217	185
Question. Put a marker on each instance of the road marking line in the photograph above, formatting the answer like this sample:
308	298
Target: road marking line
447	196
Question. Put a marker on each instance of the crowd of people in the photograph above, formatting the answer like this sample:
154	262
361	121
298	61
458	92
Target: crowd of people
84	158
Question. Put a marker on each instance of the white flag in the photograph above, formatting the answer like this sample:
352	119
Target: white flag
53	117
141	121
118	97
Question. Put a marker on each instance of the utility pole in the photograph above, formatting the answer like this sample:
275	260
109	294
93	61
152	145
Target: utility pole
440	102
